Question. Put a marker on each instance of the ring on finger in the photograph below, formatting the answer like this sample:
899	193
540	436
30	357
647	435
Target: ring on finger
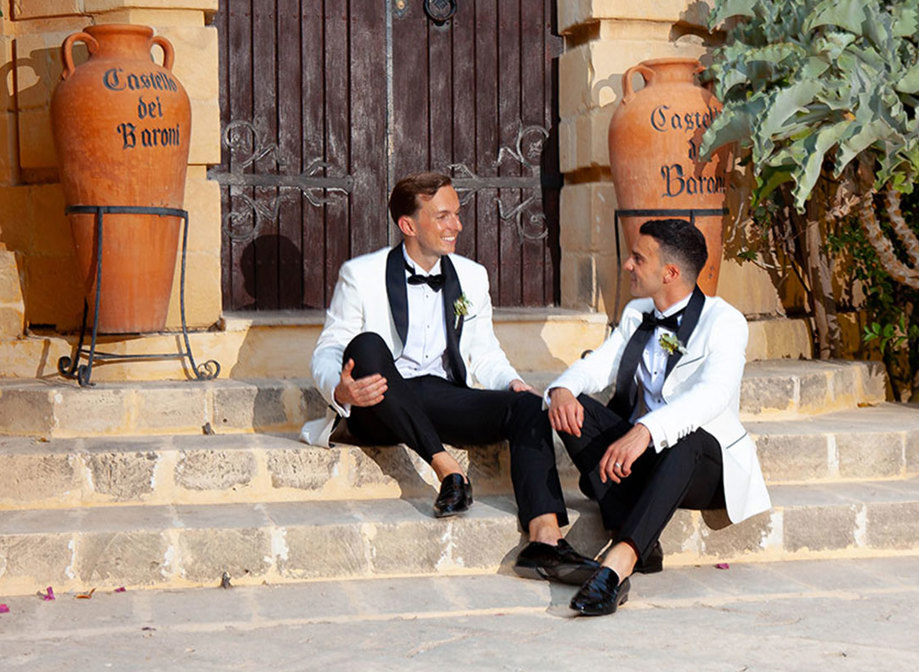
617	465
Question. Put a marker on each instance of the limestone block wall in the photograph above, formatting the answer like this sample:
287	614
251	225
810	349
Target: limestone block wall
32	220
603	38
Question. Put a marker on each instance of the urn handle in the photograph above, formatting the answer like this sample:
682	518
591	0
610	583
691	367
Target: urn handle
646	73
67	50
168	51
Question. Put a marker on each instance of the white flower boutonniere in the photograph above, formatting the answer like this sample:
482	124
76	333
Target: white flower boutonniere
671	343
460	309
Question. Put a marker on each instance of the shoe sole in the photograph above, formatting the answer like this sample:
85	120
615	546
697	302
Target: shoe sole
571	575
585	610
448	514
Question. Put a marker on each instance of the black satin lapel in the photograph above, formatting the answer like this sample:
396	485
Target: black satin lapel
624	397
452	291
687	324
397	291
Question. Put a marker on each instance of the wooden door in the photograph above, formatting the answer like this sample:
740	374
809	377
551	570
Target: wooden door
325	104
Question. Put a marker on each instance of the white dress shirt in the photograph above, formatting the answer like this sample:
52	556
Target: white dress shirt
652	370
425	348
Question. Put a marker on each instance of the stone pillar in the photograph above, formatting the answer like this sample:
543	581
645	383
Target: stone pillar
603	38
32	220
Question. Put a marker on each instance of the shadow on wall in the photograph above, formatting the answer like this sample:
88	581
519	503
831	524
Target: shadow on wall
32	219
256	280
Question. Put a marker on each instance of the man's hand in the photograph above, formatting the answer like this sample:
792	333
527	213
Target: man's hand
617	461
566	414
518	385
366	391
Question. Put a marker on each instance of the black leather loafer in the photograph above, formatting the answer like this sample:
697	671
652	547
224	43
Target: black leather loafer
558	563
654	563
455	496
601	594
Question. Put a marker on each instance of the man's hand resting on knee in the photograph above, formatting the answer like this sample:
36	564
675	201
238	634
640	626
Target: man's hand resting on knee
366	391
616	463
566	414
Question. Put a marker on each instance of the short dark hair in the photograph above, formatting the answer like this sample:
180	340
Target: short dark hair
404	198
681	244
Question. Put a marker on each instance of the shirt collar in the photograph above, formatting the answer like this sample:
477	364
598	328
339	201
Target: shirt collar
435	269
676	307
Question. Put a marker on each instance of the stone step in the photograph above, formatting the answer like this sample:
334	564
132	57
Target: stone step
57	408
880	442
278	344
179	546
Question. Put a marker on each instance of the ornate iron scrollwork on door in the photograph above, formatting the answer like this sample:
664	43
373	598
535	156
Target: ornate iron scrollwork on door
526	150
241	138
440	11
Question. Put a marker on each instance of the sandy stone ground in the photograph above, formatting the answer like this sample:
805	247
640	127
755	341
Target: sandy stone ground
806	615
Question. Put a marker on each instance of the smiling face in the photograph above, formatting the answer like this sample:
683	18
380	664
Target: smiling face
647	272
432	231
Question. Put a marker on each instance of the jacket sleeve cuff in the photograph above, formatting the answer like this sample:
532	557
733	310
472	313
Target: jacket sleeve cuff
658	436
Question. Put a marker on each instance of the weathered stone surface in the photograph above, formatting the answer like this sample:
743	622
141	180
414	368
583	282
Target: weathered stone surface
214	469
312	405
39	558
249	406
680	534
205	554
323	551
306	468
820	528
893	525
121	558
869	455
813	391
122	476
874	381
391	465
163	408
81	411
911	451
410	547
785	457
758	394
746	537
481	544
26	411
488	467
28	478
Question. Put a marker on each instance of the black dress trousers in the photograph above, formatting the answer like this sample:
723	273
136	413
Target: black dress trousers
687	475
428	411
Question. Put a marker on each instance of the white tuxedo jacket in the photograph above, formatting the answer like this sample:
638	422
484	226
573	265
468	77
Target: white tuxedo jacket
367	298
701	391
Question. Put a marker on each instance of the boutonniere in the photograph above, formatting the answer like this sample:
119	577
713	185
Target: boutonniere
460	309
671	343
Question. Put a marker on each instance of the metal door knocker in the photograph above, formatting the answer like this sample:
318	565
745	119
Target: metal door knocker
440	11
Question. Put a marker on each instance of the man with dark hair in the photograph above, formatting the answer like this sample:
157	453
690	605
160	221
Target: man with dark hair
406	334
677	444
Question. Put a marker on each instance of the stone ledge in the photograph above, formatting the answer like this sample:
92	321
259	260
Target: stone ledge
870	443
178	546
55	408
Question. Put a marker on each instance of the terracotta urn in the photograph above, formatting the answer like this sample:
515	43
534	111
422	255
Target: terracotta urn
122	127
654	139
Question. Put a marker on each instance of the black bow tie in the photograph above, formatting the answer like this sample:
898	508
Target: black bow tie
435	282
671	322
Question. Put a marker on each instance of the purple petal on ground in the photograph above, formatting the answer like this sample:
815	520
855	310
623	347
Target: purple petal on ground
4	609
122	589
722	565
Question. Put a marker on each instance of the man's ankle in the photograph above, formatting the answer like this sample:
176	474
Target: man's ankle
545	529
